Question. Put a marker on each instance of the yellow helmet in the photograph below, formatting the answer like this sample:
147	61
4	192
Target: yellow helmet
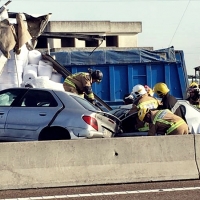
161	89
193	85
142	113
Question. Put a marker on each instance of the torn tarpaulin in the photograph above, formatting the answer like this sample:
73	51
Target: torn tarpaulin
25	31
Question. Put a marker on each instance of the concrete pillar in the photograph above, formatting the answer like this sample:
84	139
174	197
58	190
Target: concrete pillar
127	41
54	43
79	43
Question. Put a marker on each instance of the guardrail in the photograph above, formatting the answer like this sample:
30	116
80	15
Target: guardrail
98	161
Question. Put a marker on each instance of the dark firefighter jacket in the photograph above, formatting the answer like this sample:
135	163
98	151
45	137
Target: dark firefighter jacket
82	82
165	122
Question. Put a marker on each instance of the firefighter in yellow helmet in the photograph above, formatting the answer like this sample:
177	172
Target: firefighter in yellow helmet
193	94
163	122
193	85
81	83
168	101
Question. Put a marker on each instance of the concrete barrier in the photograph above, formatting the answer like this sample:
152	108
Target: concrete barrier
197	150
96	161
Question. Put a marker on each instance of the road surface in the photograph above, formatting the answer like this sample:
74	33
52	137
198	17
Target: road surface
183	190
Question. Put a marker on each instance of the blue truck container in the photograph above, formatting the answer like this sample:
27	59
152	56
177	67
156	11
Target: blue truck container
122	69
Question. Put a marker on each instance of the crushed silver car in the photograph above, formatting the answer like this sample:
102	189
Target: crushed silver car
28	114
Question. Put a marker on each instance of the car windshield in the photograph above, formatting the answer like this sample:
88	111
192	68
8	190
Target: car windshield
86	104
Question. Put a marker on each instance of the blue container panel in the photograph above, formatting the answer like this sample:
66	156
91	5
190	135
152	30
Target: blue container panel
120	79
167	73
101	88
138	74
118	82
120	74
182	71
172	80
155	74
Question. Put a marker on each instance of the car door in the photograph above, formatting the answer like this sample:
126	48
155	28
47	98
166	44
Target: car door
7	98
5	106
36	110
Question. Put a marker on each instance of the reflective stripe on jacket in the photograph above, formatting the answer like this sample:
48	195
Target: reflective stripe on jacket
144	101
70	83
91	96
165	122
173	125
174	108
151	104
144	128
82	82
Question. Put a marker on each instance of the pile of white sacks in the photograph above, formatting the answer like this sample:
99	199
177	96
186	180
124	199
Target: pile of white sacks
32	70
28	68
39	73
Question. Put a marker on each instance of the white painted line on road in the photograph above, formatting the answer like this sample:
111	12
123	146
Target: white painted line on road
121	192
106	193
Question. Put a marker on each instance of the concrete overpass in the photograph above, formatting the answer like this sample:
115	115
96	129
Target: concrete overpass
118	34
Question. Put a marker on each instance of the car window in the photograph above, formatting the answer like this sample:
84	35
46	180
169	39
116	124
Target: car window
36	98
7	97
85	103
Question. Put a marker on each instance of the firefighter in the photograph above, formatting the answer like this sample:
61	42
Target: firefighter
81	83
142	100
193	92
168	101
163	122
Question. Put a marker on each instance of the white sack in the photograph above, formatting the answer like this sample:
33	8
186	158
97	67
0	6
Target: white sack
30	72
45	70
45	62
42	82
56	77
34	57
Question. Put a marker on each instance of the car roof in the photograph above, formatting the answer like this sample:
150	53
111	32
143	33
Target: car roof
43	89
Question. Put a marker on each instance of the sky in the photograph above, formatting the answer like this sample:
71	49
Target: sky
165	23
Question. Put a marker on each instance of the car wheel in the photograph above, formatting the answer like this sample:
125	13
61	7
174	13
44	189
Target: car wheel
54	133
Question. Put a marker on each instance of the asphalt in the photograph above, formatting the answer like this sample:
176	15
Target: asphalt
106	191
